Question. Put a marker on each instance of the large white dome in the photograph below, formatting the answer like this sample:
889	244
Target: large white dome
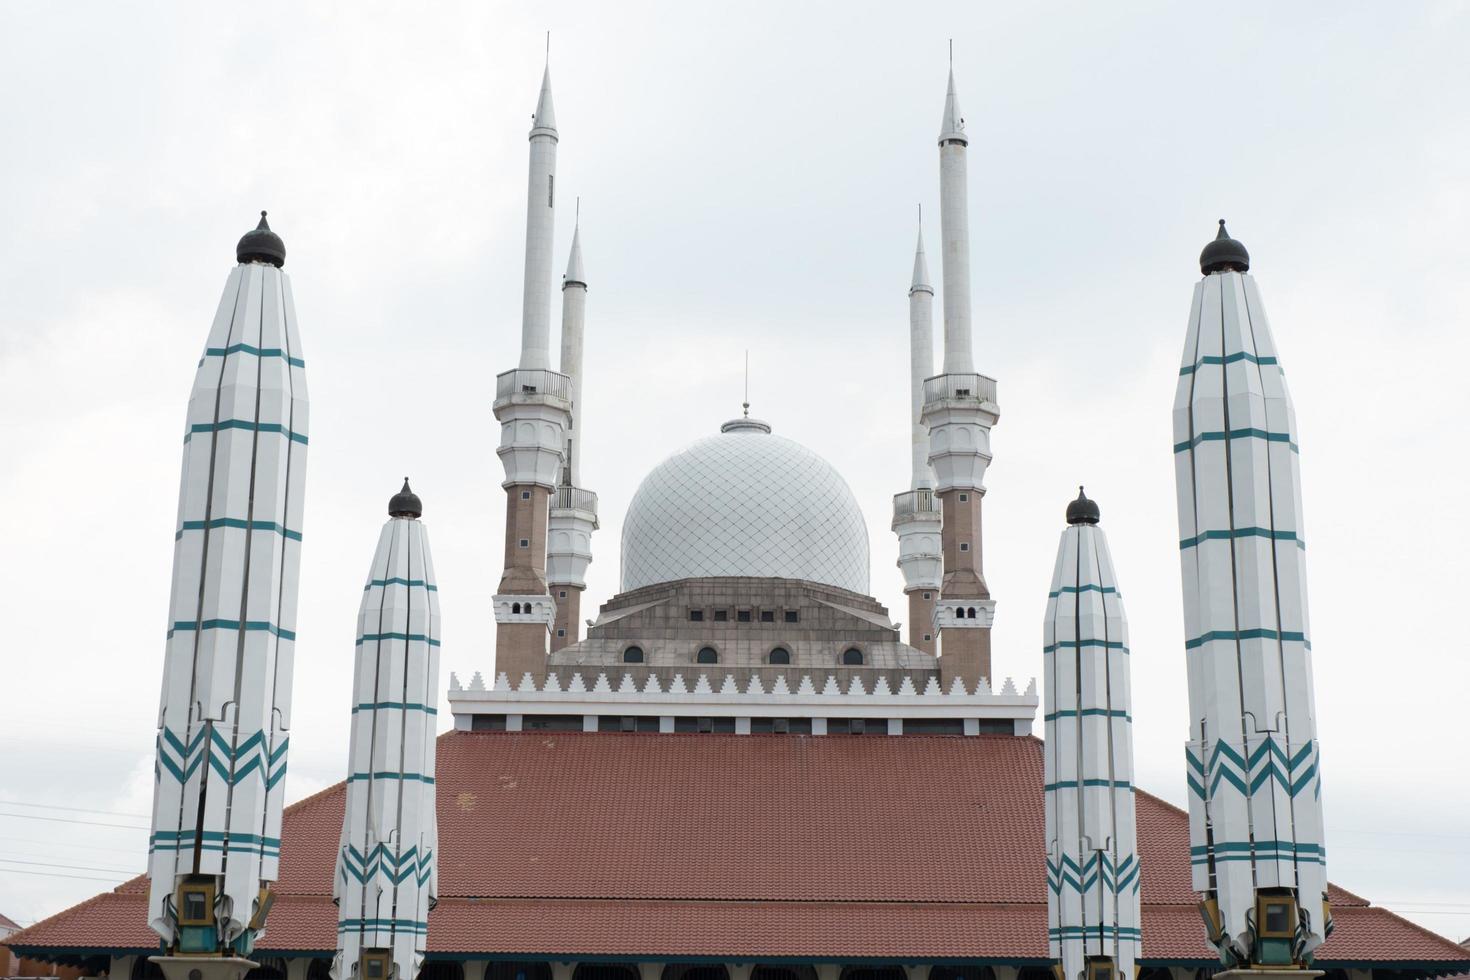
745	503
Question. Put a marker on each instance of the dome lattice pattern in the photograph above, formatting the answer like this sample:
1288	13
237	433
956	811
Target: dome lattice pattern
745	503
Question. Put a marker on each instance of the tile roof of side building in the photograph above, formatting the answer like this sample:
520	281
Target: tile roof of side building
782	846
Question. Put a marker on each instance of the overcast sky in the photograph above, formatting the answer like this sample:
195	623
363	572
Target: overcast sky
748	179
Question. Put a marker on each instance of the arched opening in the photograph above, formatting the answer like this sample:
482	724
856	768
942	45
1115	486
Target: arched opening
145	969
780	655
502	970
633	655
971	613
961	973
696	971
706	655
852	657
320	969
1035	973
271	968
515	608
442	970
874	973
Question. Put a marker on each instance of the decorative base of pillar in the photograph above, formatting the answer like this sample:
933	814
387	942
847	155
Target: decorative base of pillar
203	967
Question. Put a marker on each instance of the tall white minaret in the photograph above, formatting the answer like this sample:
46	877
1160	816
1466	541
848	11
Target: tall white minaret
916	513
225	715
954	231
959	411
1255	789
1091	833
386	878
533	405
540	220
573	508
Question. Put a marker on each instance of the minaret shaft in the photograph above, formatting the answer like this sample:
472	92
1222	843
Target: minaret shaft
921	366
954	227
540	227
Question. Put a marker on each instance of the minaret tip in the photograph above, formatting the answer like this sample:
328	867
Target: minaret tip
545	118
261	245
1224	254
405	503
921	264
576	275
952	129
1083	510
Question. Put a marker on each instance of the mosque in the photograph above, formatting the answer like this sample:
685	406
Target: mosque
742	771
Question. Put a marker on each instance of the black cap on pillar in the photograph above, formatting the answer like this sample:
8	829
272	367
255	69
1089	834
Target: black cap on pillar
1082	510
261	245
1224	254
405	503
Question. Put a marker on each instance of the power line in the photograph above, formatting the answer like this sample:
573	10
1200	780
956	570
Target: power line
73	809
60	843
53	874
68	867
89	823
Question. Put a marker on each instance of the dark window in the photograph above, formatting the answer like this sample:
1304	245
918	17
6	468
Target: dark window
561	632
928	595
791	616
964	546
742	615
525	542
857	726
997	726
781	726
768	616
706	655
852	657
626	723
561	594
487	723
928	637
933	726
515	608
964	498
971	613
780	655
696	615
552	723
633	655
1278	922
525	495
551	190
722	615
704	725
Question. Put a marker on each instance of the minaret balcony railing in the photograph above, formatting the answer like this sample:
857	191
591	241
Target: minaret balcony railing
522	381
915	503
959	387
574	498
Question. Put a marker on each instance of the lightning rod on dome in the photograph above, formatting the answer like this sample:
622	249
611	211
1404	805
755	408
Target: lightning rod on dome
745	405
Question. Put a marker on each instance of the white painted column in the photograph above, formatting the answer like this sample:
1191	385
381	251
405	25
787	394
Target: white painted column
297	968
828	971
475	969
573	322
650	971
563	970
921	364
739	971
954	223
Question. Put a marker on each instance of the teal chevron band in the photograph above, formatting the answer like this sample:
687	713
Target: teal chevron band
400	705
1241	532
412	637
271	427
236	522
410	582
1088	713
1090	642
409	776
381	862
397	925
1098	866
1228	359
1075	589
249	625
1288	636
253	351
1248	433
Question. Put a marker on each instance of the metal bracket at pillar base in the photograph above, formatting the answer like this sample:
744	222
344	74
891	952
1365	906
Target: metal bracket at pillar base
203	967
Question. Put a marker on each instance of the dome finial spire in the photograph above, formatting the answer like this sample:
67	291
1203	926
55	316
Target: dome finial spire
405	503
745	405
1083	510
260	244
1224	254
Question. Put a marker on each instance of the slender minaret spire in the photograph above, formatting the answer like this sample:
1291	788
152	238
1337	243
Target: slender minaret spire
540	218
573	509
954	230
959	411
225	714
921	361
533	405
916	515
386	880
1091	838
1255	808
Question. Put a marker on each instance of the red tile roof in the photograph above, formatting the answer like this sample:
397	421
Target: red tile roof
781	846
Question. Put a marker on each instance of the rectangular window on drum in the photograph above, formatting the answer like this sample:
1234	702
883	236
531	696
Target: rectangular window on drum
551	190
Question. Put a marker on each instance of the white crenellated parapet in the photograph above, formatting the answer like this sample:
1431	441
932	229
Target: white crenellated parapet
719	695
538	609
569	536
964	614
533	408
